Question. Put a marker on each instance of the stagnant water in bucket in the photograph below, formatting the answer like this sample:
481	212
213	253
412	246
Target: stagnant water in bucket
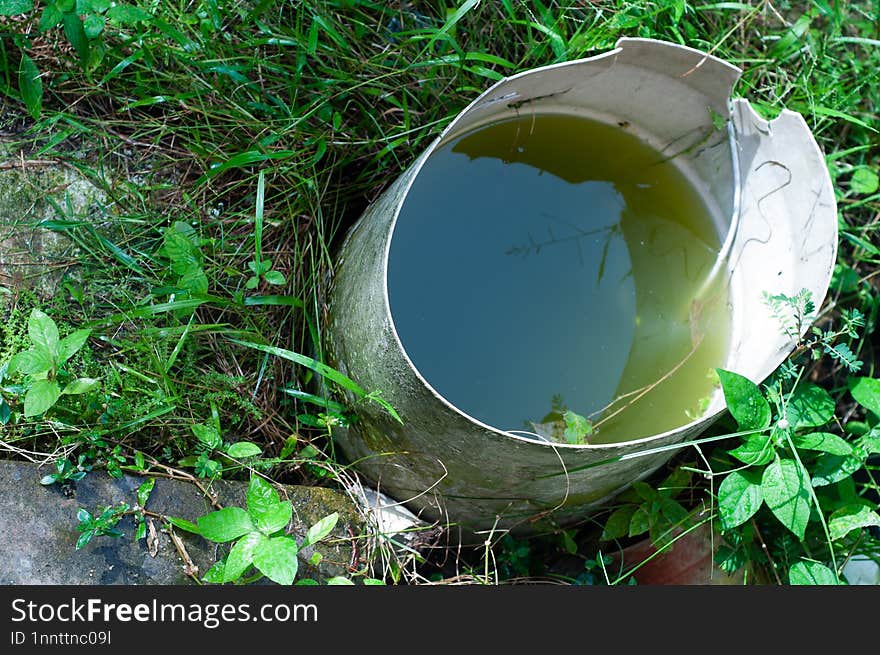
552	262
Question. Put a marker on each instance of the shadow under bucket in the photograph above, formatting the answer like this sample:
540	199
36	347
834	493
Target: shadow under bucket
471	368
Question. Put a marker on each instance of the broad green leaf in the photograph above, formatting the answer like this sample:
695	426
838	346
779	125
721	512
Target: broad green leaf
274	277
640	522
321	529
617	525
15	7
276	558
849	518
207	434
216	573
577	428
261	495
241	556
809	406
834	468
127	14
71	344
144	490
52	478
340	581
824	442
5	412
195	281
93	25
31	86
180	246
374	582
864	181
739	497
141	530
756	450
84	539
744	400
784	488
80	386
811	573
272	518
50	17
243	449
225	524
866	392
76	35
183	524
40	397
29	362
43	332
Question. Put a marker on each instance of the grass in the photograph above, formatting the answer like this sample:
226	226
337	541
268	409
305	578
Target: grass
267	127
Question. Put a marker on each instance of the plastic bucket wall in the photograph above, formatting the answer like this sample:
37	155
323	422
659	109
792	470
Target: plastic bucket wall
772	199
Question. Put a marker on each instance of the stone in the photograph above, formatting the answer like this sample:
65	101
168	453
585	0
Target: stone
32	192
38	525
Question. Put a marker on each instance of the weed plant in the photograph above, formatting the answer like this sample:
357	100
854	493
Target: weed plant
235	142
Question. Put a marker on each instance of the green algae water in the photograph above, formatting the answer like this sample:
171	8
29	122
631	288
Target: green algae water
552	262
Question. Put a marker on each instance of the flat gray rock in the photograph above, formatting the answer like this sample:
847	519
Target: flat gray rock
39	528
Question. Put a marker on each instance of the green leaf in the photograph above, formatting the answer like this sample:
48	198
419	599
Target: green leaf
273	518
183	524
739	497
784	488
40	397
31	86
52	478
252	282
321	529
144	490
241	556
5	412
811	573
225	524
51	16
15	7
340	581
261	495
93	25
756	450
216	573
374	582
243	449
29	362
744	400
43	332
141	531
851	517
274	277
617	525
84	538
71	344
195	281
640	522
76	35
829	469
809	406
577	428
866	392
864	181
207	435
276	558
80	386
127	14
824	442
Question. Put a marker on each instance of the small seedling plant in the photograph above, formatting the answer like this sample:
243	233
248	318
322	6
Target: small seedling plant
261	543
43	365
